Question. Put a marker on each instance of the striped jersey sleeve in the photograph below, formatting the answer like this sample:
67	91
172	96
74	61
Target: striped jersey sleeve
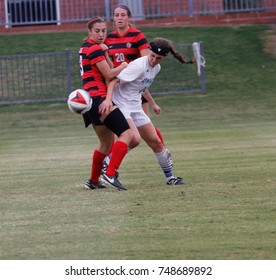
93	81
126	47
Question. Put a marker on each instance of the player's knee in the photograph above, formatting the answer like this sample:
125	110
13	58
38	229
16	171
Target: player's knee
156	144
135	141
126	136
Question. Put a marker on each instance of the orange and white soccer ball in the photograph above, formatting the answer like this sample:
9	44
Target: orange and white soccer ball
79	101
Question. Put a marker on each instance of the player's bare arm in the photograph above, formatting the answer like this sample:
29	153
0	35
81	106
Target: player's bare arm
109	73
105	50
156	109
107	105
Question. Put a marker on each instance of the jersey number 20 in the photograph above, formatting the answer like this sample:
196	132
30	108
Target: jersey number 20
119	57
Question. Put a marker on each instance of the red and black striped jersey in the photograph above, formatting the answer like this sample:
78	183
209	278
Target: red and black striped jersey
93	81
125	47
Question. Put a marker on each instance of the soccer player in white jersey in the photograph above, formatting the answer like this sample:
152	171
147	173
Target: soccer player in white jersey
126	91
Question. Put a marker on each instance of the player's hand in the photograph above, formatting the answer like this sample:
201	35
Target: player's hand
104	47
156	109
124	64
105	107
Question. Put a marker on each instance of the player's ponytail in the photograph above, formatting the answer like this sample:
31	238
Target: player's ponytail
180	57
177	55
163	47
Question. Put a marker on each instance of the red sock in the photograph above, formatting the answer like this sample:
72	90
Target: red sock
160	135
97	166
119	151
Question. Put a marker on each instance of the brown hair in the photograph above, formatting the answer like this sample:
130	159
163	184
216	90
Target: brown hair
124	7
94	20
163	47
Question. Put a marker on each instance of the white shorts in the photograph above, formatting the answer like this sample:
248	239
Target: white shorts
139	117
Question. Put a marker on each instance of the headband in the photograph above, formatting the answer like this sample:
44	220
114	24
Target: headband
158	50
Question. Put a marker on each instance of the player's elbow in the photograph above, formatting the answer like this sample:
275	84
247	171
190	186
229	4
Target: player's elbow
109	76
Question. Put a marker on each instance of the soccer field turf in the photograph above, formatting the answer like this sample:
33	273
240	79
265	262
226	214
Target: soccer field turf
225	210
223	144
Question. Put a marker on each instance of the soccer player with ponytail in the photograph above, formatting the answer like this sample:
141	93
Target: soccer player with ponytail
126	91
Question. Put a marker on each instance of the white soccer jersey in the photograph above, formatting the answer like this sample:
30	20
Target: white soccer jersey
135	80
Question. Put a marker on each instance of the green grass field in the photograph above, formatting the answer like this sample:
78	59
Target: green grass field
223	144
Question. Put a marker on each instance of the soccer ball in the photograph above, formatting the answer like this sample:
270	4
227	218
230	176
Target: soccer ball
79	101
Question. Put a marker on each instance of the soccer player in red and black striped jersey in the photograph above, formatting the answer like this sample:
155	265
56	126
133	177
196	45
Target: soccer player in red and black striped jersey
95	68
127	43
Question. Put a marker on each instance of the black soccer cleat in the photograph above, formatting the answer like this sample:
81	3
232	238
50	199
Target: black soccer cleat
176	181
113	182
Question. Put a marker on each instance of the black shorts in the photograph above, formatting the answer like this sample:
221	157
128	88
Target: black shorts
93	116
115	121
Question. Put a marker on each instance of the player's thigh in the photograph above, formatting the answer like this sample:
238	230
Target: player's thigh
105	136
136	135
